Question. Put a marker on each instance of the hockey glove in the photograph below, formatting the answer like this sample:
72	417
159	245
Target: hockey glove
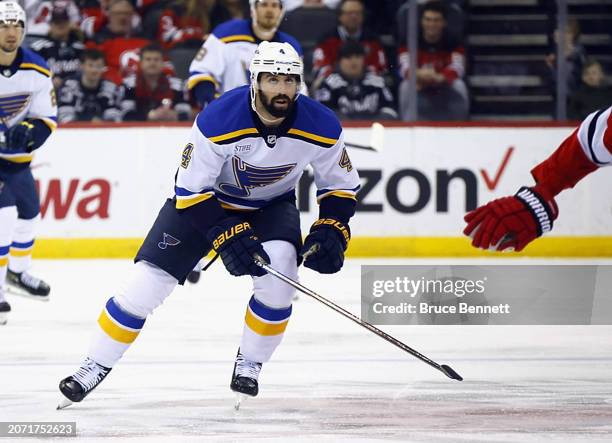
511	222
332	237
236	243
20	138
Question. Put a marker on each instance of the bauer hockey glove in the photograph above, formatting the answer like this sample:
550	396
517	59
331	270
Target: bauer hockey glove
332	237
235	241
20	138
511	222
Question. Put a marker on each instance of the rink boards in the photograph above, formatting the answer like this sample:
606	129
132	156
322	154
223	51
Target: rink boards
102	187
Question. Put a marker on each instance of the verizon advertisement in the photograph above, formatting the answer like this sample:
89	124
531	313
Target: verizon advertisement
110	183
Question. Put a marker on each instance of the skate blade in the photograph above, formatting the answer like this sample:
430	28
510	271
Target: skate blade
21	293
3	319
240	398
63	404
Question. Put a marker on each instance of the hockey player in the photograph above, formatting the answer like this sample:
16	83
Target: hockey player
235	194
222	62
28	114
511	223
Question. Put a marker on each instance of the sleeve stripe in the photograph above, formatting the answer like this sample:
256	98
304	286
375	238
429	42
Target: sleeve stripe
196	78
598	152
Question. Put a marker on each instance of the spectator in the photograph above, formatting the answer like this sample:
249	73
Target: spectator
353	92
121	42
222	62
95	16
151	95
185	23
39	14
120	22
88	97
593	94
575	56
290	5
442	94
351	17
61	48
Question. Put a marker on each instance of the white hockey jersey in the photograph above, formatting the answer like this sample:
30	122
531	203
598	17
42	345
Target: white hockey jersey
233	157
225	57
26	92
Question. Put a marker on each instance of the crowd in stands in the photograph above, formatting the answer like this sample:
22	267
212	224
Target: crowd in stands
129	60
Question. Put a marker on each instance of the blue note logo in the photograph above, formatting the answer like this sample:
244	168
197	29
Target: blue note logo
168	241
249	177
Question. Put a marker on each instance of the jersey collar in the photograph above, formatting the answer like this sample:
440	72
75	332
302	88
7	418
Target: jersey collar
9	71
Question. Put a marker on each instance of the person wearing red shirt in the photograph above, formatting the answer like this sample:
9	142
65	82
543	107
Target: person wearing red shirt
442	93
350	27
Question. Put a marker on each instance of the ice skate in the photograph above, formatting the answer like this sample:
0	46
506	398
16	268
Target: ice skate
77	386
26	285
5	308
244	379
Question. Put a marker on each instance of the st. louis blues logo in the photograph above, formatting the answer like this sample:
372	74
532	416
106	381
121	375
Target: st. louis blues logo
249	177
11	106
168	241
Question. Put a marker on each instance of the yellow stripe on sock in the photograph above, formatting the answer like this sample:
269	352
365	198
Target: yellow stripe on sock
262	328
21	252
114	331
4	261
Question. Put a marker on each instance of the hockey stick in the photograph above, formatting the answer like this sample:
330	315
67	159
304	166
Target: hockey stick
377	139
445	369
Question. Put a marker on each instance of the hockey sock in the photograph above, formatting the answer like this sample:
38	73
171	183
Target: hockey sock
263	330
117	330
22	245
8	219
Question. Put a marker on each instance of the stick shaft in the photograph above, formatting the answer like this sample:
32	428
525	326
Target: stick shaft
349	315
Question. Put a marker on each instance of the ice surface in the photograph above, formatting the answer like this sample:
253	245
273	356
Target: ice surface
330	380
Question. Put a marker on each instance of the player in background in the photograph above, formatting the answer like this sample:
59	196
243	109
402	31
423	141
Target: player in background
511	223
223	61
235	194
28	115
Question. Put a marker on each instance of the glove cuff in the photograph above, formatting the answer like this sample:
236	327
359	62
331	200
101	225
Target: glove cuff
340	228
544	212
226	230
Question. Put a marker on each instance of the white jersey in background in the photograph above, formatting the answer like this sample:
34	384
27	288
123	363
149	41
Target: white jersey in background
224	58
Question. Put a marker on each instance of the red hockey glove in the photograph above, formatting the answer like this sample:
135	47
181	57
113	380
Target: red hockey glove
511	222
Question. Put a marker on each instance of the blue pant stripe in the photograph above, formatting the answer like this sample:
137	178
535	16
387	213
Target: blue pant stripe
123	317
268	313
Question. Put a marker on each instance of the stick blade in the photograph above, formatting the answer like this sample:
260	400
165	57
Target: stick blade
377	138
450	372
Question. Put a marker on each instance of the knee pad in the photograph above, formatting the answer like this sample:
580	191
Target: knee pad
8	220
147	289
270	290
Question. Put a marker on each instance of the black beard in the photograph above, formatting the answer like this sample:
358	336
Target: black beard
269	106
